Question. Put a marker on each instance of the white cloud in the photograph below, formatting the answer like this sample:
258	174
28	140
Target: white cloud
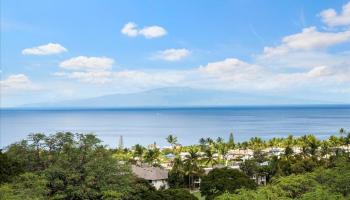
99	77
153	32
47	49
332	18
320	71
87	63
130	29
302	59
172	54
308	39
17	82
232	69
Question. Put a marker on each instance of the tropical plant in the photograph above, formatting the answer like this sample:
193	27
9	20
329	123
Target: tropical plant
191	165
223	180
152	156
172	140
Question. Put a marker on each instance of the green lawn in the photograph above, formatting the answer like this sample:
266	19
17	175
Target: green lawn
198	195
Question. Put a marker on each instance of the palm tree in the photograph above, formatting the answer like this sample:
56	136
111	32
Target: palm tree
289	141
325	148
313	144
334	141
138	151
347	141
191	165
209	141
152	156
219	140
223	150
209	157
202	143
303	144
244	145
172	140
256	143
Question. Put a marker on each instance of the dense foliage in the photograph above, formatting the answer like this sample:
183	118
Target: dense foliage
78	166
64	166
326	184
224	179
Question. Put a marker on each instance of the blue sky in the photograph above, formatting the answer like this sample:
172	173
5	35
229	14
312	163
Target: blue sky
59	50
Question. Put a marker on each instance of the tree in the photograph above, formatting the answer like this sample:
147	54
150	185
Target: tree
152	156
321	194
209	157
342	132
70	167
288	151
347	141
191	166
249	167
176	176
140	188
209	141
219	140
256	143
138	151
9	168
37	142
86	170
221	180
170	194
231	142
25	187
313	144
172	140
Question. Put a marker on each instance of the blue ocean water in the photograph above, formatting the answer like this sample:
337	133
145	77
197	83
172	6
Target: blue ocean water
146	126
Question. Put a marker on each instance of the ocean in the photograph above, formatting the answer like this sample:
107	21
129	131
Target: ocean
149	125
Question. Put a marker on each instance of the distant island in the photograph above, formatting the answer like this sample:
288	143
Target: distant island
178	97
77	166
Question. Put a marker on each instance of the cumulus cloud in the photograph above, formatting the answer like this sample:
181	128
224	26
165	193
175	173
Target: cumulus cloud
47	49
87	63
332	18
17	82
309	39
303	59
232	69
153	32
172	54
130	29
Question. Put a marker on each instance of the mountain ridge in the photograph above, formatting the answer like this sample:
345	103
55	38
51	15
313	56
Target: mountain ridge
177	97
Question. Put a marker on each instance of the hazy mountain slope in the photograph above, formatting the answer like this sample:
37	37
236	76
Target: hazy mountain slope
175	97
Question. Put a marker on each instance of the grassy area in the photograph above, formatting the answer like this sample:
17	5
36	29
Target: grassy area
198	195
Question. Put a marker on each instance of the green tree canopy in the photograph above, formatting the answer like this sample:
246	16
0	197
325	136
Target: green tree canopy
221	180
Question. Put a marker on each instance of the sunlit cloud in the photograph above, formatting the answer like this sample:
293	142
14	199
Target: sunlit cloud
332	18
87	63
172	54
47	49
130	29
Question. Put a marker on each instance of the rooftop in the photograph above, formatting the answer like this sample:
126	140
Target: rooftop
150	173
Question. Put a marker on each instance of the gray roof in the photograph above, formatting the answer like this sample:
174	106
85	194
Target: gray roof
150	173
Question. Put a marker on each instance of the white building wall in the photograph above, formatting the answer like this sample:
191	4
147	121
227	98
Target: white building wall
160	183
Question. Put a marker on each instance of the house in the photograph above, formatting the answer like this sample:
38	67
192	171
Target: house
156	176
241	154
260	179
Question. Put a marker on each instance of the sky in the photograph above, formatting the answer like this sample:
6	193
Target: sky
61	50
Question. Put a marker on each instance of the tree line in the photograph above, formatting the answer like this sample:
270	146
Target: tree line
79	166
